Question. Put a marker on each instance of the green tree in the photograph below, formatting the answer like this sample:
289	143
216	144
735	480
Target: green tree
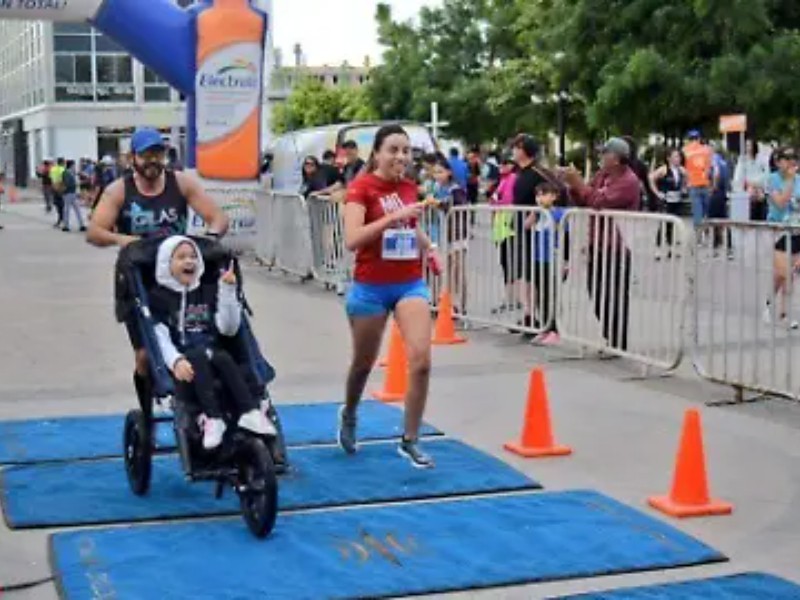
448	57
626	66
312	104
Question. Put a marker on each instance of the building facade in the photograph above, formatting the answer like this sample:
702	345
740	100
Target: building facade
68	90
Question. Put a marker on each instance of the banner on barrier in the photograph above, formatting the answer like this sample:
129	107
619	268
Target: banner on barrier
239	204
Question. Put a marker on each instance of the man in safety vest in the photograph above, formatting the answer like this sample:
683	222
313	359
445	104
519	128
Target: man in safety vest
699	159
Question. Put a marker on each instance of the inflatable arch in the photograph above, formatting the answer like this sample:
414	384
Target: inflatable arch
212	52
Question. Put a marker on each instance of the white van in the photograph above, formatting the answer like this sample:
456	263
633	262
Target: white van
290	149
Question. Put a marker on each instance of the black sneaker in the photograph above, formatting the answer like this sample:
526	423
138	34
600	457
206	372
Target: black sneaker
346	436
410	449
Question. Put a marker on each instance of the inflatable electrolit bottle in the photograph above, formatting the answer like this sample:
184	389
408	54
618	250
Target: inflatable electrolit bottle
230	56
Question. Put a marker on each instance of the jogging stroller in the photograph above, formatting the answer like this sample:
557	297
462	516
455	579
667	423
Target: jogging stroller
246	462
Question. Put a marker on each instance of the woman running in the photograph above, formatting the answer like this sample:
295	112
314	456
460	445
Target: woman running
381	227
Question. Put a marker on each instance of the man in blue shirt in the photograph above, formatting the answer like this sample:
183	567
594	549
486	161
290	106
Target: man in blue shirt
459	168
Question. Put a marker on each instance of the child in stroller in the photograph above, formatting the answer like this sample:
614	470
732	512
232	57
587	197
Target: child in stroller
189	319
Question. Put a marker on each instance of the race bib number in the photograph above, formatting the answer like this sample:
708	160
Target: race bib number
400	244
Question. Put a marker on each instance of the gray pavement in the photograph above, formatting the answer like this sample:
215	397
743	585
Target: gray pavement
61	353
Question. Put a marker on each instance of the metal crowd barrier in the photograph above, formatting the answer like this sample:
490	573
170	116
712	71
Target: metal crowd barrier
289	235
266	247
433	223
623	284
500	266
739	339
331	264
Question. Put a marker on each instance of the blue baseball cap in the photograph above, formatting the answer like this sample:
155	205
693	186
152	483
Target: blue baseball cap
694	134
146	138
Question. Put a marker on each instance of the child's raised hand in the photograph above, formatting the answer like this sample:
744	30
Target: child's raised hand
183	370
229	276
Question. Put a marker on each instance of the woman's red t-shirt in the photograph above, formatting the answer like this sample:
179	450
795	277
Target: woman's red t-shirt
380	197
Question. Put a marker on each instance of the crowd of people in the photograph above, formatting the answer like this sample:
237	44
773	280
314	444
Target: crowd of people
697	177
68	186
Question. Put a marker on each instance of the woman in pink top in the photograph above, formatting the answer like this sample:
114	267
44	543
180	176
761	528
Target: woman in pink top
503	228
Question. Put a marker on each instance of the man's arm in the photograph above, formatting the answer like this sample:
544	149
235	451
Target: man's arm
203	204
101	228
616	195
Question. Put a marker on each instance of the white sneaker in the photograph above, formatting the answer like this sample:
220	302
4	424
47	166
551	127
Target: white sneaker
213	430
766	316
257	422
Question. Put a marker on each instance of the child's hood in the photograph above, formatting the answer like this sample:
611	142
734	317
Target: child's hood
164	273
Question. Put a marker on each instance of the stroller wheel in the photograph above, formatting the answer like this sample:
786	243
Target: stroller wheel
138	448
258	487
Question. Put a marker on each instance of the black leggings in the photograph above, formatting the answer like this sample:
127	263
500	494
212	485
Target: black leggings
506	249
667	229
58	201
609	282
207	363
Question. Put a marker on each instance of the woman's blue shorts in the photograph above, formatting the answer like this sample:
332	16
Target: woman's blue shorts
371	299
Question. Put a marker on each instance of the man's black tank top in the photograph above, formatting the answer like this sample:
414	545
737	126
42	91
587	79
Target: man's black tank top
150	216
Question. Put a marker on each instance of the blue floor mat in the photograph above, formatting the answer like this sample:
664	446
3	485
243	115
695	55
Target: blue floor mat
744	586
75	438
97	492
375	552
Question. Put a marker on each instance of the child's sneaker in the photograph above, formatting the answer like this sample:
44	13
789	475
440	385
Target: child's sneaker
213	430
551	339
256	422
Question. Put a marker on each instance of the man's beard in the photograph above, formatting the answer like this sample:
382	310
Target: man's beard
150	171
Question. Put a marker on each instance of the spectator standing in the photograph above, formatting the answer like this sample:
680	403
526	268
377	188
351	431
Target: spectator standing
56	179
699	163
459	168
614	187
529	176
670	181
43	174
71	204
751	177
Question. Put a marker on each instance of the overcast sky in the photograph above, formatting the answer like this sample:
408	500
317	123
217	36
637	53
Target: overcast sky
331	32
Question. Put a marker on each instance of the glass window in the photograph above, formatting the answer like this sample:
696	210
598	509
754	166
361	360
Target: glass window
65	69
106	44
156	94
72	43
83	69
72	28
151	76
114	69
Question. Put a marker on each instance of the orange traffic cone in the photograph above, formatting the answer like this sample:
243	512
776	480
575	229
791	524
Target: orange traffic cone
13	195
395	337
396	382
689	496
537	432
445	331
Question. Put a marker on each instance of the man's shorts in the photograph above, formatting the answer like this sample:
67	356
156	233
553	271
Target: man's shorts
370	300
133	331
793	244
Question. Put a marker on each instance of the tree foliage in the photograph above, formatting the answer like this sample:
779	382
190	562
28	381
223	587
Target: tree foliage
627	66
312	103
